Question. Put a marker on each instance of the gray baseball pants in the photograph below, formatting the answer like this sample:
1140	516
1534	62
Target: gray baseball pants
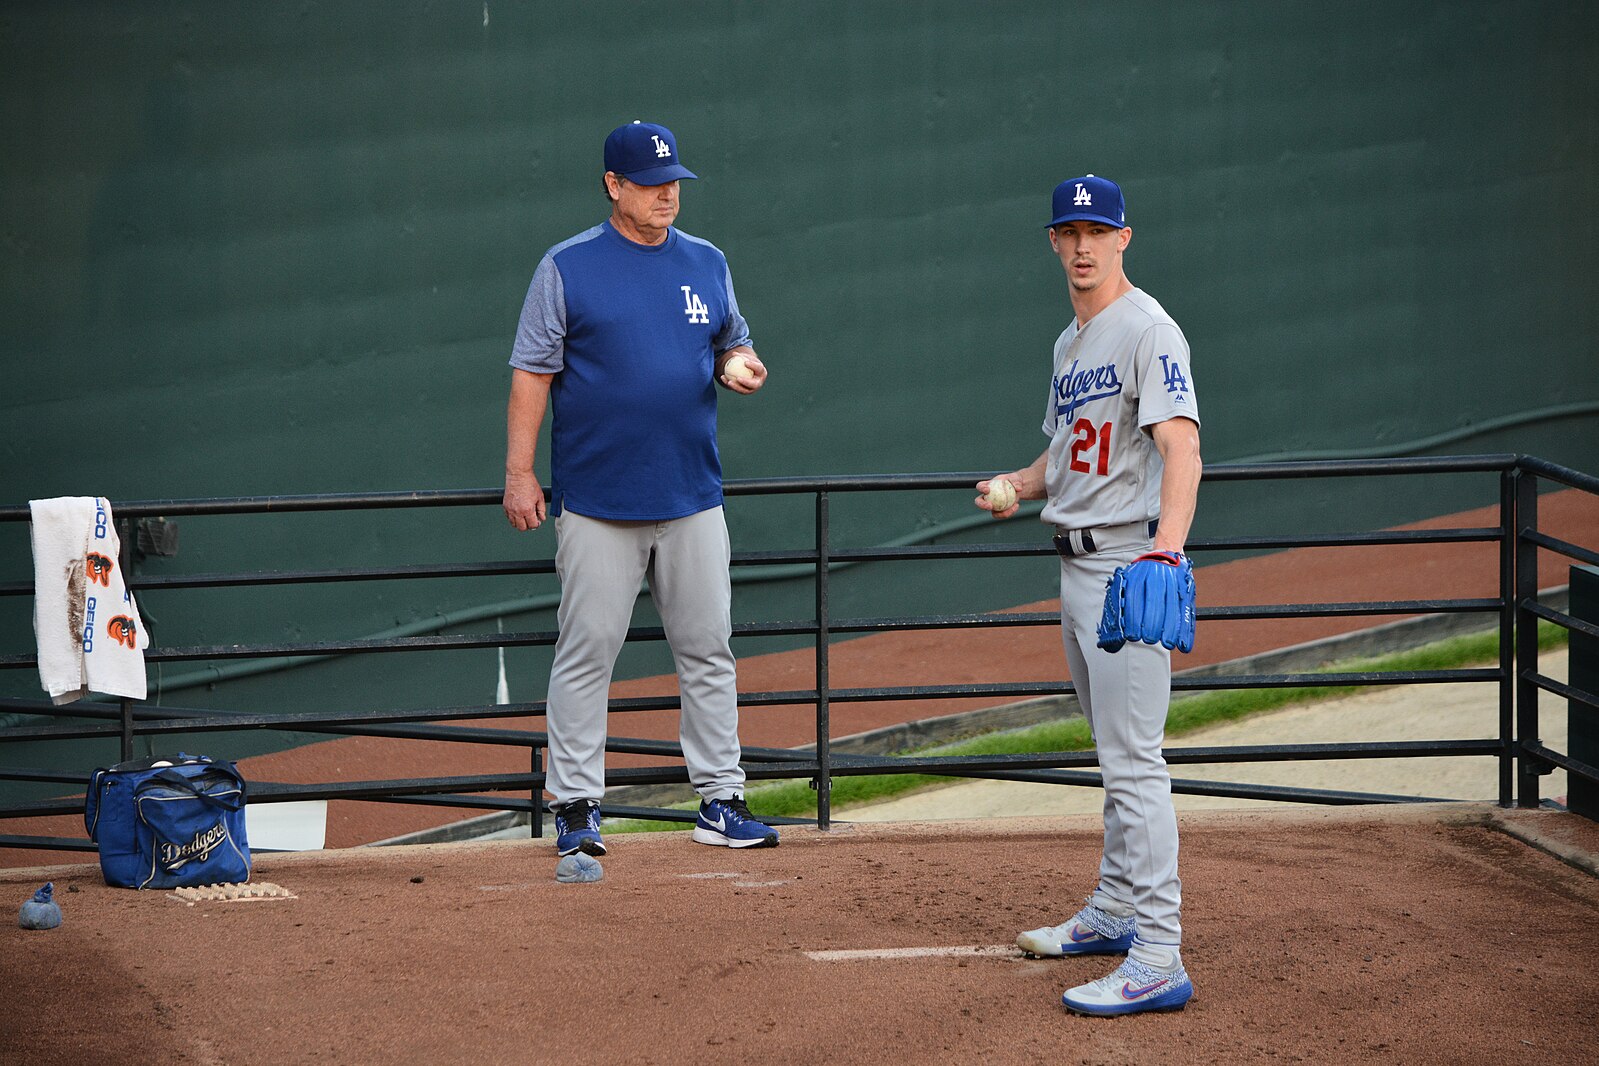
1125	698
601	564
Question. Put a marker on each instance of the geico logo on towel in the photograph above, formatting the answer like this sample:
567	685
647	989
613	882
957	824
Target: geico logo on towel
101	521
175	855
88	625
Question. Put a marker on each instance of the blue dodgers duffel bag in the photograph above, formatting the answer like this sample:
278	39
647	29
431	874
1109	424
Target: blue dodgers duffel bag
169	823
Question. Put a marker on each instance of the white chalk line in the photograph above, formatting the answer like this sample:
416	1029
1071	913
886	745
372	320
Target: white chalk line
993	951
704	877
723	875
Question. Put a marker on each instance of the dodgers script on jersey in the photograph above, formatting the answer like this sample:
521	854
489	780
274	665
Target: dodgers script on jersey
1121	374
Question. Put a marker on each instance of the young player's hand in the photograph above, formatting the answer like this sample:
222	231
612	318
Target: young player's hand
999	495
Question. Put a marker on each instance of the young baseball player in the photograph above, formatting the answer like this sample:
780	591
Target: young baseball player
626	330
1121	476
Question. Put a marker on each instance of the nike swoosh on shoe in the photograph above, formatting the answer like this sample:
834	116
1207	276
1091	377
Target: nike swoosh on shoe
1131	993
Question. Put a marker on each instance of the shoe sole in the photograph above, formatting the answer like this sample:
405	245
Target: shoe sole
1113	1010
1119	946
587	847
711	836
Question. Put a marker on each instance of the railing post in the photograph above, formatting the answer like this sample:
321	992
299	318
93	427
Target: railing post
824	755
1582	719
1526	638
536	818
1508	481
127	729
125	535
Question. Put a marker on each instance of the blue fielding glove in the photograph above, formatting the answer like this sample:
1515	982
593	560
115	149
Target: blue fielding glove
1156	603
1111	634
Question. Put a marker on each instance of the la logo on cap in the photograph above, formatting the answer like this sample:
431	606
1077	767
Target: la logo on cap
1089	198
644	153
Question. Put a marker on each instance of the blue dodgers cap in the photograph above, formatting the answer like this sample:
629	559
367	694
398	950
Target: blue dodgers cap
645	154
1091	199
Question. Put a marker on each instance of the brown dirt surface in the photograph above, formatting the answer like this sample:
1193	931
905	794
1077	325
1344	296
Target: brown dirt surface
1349	935
1304	575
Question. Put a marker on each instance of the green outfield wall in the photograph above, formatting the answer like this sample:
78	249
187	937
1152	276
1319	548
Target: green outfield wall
264	248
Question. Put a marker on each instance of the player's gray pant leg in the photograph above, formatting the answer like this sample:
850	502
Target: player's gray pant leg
601	566
1115	879
1128	696
694	595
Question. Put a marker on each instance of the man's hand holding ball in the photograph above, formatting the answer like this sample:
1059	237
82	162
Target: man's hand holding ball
743	372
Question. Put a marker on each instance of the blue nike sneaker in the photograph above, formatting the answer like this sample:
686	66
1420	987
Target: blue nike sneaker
577	828
1132	988
1091	931
729	824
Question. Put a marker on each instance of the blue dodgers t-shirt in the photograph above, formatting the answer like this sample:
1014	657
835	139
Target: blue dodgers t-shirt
631	333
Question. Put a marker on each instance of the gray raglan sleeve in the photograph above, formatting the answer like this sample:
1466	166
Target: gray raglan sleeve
541	333
735	331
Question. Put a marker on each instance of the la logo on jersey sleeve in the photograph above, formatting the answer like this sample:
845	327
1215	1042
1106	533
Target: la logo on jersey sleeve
1176	382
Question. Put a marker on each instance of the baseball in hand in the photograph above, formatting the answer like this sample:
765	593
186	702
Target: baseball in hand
1001	495
736	369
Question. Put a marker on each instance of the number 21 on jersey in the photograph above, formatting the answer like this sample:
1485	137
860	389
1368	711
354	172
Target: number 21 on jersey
1092	441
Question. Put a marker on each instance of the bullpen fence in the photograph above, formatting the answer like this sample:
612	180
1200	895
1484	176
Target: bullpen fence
1521	755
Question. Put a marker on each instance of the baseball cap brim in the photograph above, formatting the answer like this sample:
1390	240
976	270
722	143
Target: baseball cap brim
1086	216
660	175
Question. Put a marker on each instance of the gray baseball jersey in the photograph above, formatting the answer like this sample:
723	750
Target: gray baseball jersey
1114	378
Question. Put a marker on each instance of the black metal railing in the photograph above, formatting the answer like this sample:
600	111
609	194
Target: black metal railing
1521	756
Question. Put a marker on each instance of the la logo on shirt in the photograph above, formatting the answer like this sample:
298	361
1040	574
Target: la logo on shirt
694	307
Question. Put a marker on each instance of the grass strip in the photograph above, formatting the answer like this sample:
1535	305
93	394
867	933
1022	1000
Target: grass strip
796	799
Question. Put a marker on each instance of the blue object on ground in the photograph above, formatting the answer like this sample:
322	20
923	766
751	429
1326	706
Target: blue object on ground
578	869
41	912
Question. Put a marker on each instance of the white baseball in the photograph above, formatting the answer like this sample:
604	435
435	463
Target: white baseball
1001	495
737	369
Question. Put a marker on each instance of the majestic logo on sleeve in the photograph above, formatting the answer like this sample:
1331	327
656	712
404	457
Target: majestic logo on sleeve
1075	387
98	568
694	307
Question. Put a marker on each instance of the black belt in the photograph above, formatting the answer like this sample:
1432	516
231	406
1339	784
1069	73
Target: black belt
1063	541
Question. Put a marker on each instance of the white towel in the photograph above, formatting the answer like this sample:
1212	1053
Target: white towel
88	629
